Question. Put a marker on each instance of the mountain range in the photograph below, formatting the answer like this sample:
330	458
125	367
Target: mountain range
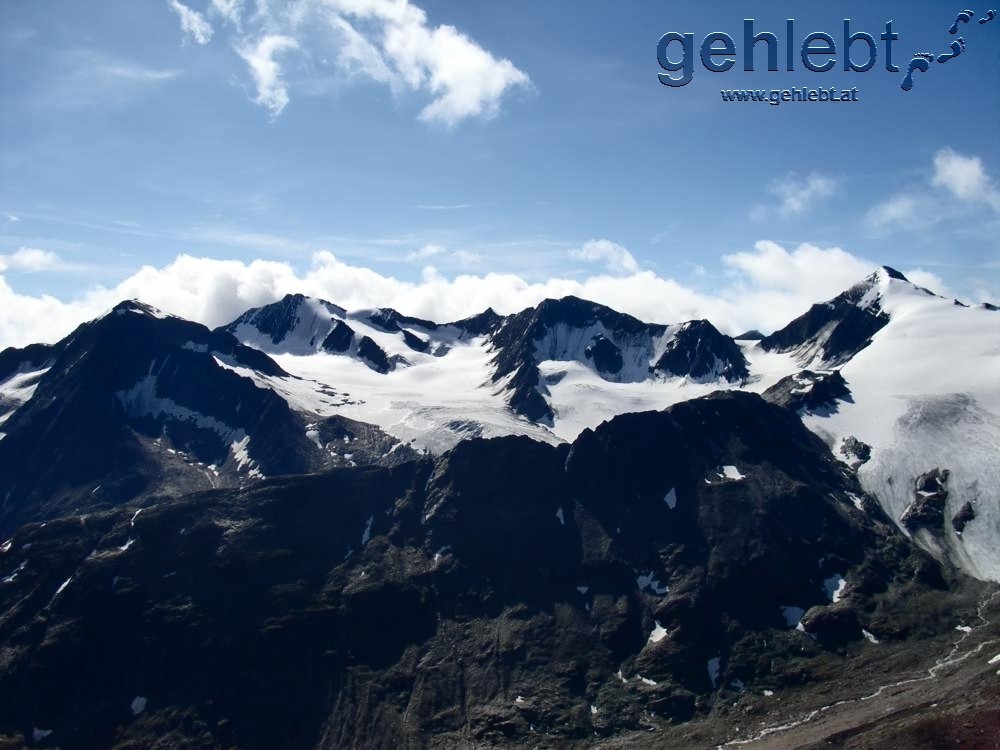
564	526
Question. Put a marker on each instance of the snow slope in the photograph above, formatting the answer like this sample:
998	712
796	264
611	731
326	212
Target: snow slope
926	395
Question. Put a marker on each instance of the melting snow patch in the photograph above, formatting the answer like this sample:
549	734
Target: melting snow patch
649	580
671	498
561	516
37	735
138	705
63	586
768	693
994	660
714	664
13	576
313	434
442	552
5	547
731	473
963	628
519	700
793	615
658	634
621	677
367	535
583	589
593	710
738	685
858	503
834	587
871	638
647	681
127	544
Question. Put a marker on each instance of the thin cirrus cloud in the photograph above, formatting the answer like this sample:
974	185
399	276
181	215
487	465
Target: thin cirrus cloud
795	195
193	23
390	42
954	177
767	286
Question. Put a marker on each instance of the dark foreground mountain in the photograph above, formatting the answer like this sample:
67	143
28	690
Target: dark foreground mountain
659	582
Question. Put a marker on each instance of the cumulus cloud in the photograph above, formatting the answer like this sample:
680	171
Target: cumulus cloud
965	178
615	258
261	56
31	259
955	179
390	42
193	24
795	195
765	288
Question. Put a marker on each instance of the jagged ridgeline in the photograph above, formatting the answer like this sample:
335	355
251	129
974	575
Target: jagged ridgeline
315	527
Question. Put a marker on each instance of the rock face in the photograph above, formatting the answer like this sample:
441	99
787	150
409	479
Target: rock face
616	346
138	404
930	496
809	391
507	593
829	334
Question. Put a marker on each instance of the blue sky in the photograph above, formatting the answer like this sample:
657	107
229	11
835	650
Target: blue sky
520	138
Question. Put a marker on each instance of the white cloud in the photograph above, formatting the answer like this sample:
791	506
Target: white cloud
965	178
390	42
230	10
272	92
899	212
795	195
765	289
193	23
31	259
616	258
460	257
427	251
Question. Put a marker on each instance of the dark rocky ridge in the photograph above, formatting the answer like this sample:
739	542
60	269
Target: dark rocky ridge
836	330
135	404
697	350
411	606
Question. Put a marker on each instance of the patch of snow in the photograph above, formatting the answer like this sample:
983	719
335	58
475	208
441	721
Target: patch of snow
731	473
671	498
768	693
519	700
647	681
583	589
138	705
561	517
994	660
5	547
714	665
963	628
793	616
870	637
135	516
658	634
127	544
834	587
593	710
63	586
37	735
442	552
367	535
649	581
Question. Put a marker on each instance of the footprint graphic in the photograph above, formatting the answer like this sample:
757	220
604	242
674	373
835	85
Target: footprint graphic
964	16
957	48
990	15
922	62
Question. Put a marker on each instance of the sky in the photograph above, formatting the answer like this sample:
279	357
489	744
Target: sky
441	157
